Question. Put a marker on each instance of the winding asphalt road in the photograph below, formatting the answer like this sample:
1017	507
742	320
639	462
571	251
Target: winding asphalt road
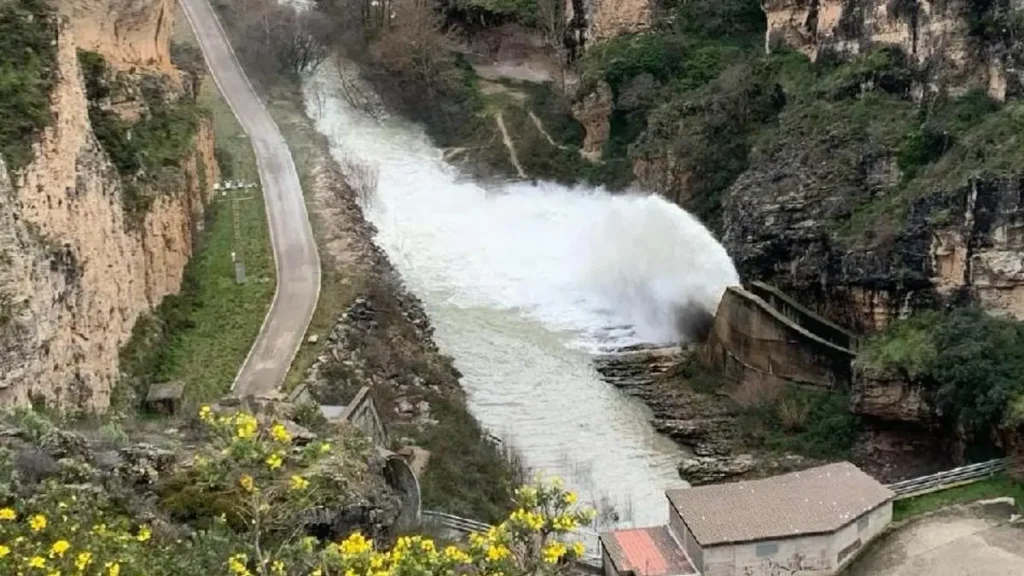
295	256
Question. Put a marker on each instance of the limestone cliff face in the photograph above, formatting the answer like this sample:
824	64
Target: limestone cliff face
596	20
590	21
938	35
75	274
968	244
126	32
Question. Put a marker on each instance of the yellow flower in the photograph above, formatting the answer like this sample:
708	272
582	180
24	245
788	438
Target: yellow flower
144	534
279	433
325	447
83	560
204	413
37	562
355	545
298	483
37	523
531	520
7	514
274	461
553	552
278	567
495	553
246	426
565	523
453	554
570	498
59	548
578	549
247	483
317	572
113	568
237	564
4	550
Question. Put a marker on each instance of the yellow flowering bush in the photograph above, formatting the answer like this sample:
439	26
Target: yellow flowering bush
270	484
534	540
56	533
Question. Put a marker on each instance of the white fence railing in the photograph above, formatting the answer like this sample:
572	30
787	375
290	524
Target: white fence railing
947	479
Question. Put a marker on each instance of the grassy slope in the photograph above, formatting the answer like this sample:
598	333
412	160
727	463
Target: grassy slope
224	318
996	487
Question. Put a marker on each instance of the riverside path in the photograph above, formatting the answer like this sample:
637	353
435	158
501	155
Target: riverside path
295	255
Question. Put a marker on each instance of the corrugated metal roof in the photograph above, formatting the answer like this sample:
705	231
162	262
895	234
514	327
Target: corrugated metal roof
811	501
647	552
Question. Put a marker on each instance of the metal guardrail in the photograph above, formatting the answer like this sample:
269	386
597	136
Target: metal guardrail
948	479
464	525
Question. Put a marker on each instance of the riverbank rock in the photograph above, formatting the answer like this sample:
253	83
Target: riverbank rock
709	470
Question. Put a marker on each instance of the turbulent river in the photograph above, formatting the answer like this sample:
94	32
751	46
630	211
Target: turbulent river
524	283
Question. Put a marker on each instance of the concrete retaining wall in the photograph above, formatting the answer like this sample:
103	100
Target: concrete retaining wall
754	343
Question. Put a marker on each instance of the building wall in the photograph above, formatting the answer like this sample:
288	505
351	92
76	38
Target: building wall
685	537
606	562
852	537
808	555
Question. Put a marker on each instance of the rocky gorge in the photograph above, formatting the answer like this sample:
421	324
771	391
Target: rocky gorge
860	155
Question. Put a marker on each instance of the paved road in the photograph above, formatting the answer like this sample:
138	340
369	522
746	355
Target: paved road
298	266
977	540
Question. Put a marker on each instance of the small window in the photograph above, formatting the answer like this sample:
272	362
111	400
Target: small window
862	523
767	549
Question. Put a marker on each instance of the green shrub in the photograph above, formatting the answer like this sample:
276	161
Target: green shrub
143	151
970	364
707	131
672	59
28	61
806	422
740	21
885	69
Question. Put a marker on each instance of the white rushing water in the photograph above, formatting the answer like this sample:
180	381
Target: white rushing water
523	283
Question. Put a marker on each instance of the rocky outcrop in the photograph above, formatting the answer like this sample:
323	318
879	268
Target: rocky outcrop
594	112
596	20
75	272
891	399
941	36
129	33
964	244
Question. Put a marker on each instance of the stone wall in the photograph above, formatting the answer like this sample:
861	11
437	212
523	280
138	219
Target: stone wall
760	347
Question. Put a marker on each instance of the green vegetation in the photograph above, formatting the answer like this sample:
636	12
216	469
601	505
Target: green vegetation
524	11
236	499
970	364
996	487
806	422
28	61
148	153
202	334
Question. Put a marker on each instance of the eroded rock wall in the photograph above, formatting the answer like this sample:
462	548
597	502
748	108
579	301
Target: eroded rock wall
965	245
941	36
596	20
75	273
126	32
